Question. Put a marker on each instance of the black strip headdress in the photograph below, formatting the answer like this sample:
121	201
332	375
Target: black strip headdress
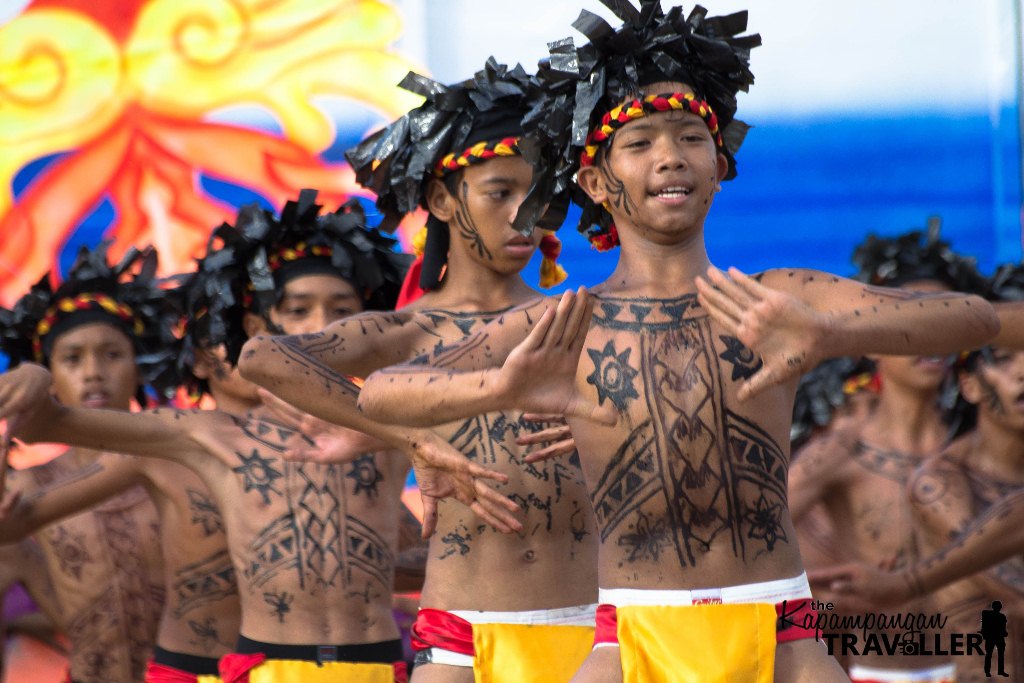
248	263
914	256
706	53
459	125
127	296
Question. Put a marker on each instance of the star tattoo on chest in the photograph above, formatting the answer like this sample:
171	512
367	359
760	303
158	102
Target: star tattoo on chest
365	475
744	362
613	376
258	474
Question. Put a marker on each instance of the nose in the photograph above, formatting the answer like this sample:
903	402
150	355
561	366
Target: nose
670	155
92	367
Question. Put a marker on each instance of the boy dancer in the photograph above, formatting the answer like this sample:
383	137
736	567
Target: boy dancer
860	473
311	545
689	484
200	619
494	607
102	332
948	492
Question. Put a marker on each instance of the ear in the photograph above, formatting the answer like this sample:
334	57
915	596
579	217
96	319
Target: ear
590	180
440	203
253	325
970	387
722	167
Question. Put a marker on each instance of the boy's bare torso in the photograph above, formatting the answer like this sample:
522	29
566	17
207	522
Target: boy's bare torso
551	562
689	487
106	570
312	545
202	612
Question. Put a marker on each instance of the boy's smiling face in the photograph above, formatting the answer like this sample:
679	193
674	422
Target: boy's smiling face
658	174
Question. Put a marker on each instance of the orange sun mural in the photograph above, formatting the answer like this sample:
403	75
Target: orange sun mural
123	95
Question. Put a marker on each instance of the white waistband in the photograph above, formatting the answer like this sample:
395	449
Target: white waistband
440	656
769	591
946	672
579	615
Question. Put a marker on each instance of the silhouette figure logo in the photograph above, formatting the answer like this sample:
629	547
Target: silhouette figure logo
993	630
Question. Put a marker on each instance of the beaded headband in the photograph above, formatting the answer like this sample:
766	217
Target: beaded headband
87	301
477	153
639	108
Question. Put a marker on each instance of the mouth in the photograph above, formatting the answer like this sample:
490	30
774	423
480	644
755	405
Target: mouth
936	362
520	244
95	399
671	193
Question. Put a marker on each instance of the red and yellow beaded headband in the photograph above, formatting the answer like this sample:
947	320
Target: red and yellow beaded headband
475	154
638	108
296	253
83	302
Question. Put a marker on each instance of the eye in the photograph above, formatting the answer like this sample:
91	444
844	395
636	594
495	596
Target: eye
343	312
498	195
636	143
296	311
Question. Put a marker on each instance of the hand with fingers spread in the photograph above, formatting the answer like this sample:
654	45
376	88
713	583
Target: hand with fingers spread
443	472
557	441
539	375
326	443
785	332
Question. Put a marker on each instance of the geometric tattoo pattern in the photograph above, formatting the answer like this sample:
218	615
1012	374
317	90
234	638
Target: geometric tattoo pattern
691	475
259	474
203	582
613	376
365	475
744	362
71	551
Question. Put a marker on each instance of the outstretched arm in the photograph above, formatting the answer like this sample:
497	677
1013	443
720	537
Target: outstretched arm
191	437
310	372
1011	325
518	361
34	416
21	515
314	372
993	537
794	319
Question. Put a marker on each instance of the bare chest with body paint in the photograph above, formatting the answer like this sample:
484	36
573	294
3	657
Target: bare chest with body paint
551	562
106	570
689	488
312	545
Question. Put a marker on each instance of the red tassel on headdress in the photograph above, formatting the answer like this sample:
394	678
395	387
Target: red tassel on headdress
551	273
